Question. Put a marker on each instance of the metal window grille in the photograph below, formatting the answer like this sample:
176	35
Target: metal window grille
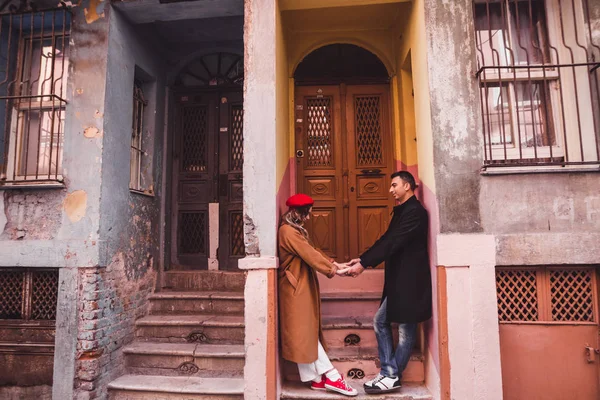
34	58
137	133
547	295
539	78
28	295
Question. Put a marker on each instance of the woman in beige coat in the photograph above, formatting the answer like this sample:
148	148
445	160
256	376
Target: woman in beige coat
300	300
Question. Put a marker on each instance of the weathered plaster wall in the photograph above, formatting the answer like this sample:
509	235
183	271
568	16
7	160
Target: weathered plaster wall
112	298
457	147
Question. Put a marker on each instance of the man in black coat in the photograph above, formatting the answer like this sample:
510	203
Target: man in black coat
406	297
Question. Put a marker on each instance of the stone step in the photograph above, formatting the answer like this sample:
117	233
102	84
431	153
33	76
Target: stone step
185	359
301	391
370	280
347	304
209	329
344	331
146	387
220	281
359	363
180	302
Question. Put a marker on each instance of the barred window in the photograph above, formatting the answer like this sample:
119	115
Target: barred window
547	294
539	82
34	58
28	294
137	134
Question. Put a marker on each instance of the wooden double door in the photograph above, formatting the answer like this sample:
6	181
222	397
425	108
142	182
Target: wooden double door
344	159
207	163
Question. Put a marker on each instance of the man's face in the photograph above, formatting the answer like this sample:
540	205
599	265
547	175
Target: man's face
399	189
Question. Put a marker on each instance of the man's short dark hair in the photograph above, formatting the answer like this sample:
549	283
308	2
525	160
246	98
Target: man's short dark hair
406	177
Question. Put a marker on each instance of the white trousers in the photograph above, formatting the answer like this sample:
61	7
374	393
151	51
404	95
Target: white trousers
309	372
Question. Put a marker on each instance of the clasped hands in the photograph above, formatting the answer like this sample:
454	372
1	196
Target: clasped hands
352	268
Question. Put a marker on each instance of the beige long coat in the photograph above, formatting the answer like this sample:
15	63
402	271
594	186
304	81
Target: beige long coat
299	295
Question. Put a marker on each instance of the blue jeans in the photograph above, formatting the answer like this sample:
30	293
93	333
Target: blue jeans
393	362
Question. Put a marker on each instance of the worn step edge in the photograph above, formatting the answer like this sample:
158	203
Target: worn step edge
191	295
177	384
192	320
360	296
353	322
185	349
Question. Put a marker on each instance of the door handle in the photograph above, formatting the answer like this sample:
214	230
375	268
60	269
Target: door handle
374	171
591	352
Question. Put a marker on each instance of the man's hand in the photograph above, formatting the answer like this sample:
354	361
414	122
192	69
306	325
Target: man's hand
353	261
355	270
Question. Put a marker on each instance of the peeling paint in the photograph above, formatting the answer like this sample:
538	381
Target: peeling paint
3	219
250	237
75	205
95	11
91	132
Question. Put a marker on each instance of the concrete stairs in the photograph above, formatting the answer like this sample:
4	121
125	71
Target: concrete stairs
191	345
348	307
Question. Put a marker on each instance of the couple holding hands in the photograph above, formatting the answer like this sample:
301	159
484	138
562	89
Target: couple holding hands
405	301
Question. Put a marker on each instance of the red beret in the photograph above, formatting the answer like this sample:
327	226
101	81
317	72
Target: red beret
299	200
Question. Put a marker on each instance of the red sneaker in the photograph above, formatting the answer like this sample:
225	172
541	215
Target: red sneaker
340	386
320	385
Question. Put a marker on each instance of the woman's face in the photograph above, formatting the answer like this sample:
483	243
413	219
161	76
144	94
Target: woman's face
308	214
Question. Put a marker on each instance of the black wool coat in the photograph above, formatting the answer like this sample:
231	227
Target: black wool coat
403	247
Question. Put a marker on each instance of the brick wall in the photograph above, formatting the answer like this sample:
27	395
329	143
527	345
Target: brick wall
110	304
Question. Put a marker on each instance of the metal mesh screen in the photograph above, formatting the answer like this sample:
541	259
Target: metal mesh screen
237	138
195	126
11	294
44	294
193	233
237	235
571	295
319	143
517	295
368	130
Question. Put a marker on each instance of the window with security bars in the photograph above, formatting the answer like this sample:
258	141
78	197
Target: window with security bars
539	77
137	138
28	294
34	59
547	295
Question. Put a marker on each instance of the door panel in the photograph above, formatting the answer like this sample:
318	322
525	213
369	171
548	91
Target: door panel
344	161
231	161
207	169
320	164
193	171
370	161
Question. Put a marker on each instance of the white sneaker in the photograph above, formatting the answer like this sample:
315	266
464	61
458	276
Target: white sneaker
372	381
382	385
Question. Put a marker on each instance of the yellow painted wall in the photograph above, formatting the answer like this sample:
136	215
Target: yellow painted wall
411	64
282	101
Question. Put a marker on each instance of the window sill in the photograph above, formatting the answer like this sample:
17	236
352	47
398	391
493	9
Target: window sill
492	170
32	186
142	193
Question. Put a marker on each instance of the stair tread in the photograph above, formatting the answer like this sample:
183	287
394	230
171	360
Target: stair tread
347	322
178	384
185	349
196	295
298	390
362	353
195	319
349	295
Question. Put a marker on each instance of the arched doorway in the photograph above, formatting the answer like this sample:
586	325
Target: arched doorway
207	159
344	146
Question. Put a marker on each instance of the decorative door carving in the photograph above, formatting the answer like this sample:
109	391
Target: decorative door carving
207	169
344	161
